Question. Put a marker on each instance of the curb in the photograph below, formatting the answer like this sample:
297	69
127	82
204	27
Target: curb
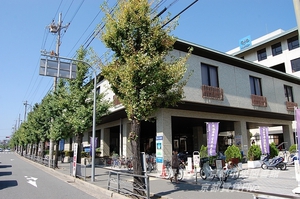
86	187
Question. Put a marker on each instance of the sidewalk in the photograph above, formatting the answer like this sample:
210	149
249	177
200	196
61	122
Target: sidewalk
254	182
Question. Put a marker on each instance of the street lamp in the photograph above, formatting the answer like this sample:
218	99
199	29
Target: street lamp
55	71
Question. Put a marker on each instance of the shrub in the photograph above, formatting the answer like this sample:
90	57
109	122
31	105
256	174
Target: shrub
85	154
273	150
293	148
254	152
233	152
203	151
69	153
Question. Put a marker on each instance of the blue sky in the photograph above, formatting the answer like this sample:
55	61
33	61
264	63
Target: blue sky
217	24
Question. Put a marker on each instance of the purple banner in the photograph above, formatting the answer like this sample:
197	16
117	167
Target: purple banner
298	129
212	137
264	139
92	145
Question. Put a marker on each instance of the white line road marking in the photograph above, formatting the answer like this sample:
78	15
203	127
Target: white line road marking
31	180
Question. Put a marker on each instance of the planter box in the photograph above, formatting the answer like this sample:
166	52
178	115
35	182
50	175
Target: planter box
67	159
254	164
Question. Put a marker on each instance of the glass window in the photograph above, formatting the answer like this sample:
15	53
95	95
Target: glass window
288	91
276	49
295	64
209	75
293	42
255	86
261	54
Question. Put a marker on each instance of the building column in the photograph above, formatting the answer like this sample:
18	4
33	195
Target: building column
199	139
164	128
288	135
105	141
242	136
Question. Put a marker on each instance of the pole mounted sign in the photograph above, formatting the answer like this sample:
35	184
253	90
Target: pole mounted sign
57	68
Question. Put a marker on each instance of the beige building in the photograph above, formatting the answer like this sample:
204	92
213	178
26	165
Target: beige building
239	94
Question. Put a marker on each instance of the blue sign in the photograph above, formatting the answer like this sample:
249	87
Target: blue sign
159	160
245	42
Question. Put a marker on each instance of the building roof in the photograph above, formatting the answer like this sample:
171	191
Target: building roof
265	41
233	60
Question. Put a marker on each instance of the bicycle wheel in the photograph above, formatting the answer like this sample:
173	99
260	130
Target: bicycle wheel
234	173
168	172
180	174
202	174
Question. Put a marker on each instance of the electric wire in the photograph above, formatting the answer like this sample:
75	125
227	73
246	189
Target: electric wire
92	36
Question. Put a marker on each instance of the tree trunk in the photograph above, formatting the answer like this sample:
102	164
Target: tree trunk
56	154
136	151
31	149
37	148
79	142
42	151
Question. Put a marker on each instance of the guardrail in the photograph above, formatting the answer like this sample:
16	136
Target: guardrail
80	170
124	184
40	160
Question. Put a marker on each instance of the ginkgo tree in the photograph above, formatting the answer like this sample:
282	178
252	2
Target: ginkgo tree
142	72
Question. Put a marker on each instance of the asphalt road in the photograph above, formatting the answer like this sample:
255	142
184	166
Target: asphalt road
21	179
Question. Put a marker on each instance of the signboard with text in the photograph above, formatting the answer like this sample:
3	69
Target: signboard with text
159	149
75	159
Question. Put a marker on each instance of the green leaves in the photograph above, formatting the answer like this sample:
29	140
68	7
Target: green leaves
141	74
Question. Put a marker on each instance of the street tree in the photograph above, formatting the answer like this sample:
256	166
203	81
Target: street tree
80	110
142	72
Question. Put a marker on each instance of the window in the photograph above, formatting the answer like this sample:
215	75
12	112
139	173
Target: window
98	90
255	86
209	75
288	91
276	49
293	42
295	64
261	54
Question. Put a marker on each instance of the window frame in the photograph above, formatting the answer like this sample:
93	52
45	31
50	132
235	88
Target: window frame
288	93
276	49
295	64
209	75
262	54
255	86
293	42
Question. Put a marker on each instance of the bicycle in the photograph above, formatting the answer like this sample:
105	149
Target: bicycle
207	171
116	162
232	170
169	171
150	163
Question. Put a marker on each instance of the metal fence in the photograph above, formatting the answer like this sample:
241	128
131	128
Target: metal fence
123	183
80	170
40	160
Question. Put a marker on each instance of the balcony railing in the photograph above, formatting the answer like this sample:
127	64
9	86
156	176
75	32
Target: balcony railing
212	92
290	105
258	100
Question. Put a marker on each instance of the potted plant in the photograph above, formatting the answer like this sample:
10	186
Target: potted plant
293	148
233	154
68	155
254	154
273	150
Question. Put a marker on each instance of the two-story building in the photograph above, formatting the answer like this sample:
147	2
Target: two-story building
239	94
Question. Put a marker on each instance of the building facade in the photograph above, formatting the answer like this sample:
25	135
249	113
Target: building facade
278	50
239	94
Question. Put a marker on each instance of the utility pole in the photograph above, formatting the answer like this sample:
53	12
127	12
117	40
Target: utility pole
25	114
55	29
297	14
